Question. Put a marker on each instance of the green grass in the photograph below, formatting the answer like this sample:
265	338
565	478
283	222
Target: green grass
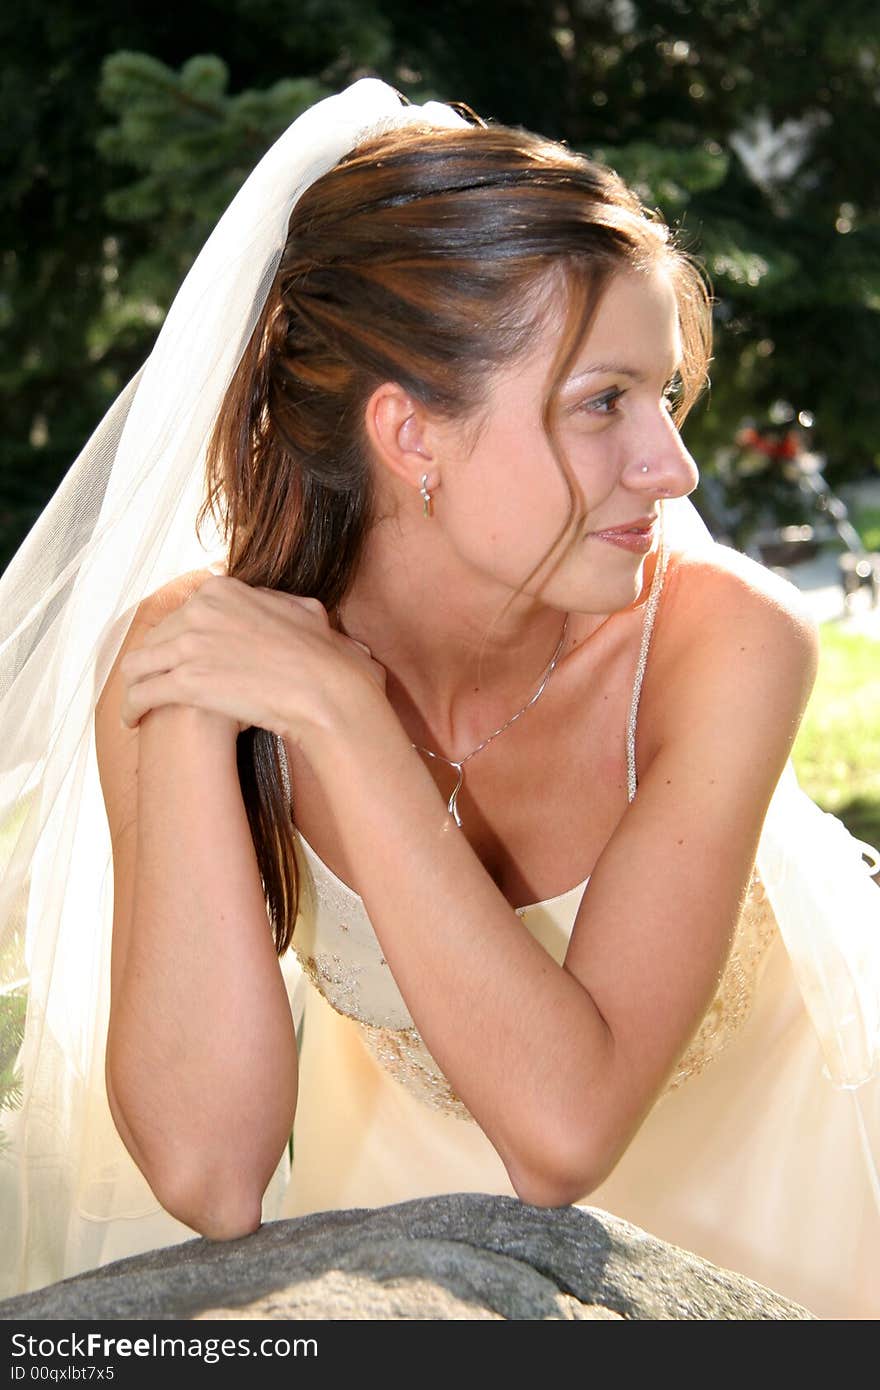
866	520
837	751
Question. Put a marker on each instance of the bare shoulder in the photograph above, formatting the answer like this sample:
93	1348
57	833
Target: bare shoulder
150	611
720	598
170	596
721	575
730	635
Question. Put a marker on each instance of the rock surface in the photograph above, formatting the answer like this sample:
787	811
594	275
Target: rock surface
461	1256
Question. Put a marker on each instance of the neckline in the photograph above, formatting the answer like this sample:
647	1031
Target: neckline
650	607
341	884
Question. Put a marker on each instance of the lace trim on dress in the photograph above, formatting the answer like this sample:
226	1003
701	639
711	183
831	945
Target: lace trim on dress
735	996
402	1052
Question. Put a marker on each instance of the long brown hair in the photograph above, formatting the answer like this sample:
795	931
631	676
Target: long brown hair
424	257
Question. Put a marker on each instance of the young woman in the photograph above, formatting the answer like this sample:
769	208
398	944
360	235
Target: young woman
477	724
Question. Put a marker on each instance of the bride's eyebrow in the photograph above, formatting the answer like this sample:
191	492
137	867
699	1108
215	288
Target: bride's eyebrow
613	369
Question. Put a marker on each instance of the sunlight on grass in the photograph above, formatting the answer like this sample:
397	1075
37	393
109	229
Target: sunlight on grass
867	522
837	751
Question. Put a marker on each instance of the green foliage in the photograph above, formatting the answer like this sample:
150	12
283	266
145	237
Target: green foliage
13	1007
127	131
193	145
667	176
12	1013
83	290
13	970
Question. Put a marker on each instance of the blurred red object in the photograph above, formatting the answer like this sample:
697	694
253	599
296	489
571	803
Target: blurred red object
785	448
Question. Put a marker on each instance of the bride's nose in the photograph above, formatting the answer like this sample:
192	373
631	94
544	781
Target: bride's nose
663	465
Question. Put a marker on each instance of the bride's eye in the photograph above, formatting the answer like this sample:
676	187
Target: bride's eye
596	405
672	392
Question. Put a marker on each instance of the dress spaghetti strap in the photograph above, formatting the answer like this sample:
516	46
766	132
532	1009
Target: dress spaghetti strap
647	629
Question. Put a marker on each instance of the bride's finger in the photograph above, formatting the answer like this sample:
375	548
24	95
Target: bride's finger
311	605
377	670
148	694
169	688
167	628
149	660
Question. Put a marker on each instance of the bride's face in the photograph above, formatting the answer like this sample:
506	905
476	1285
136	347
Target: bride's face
503	503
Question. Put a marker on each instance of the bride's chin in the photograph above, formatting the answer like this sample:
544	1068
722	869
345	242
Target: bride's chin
605	595
598	585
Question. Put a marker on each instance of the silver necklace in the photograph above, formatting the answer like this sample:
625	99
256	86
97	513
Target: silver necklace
458	763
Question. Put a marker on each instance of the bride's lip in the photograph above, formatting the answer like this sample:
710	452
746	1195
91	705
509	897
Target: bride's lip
638	523
638	538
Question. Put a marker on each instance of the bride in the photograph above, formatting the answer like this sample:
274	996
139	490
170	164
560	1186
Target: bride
455	843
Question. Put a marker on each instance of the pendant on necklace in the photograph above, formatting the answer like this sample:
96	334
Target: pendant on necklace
452	803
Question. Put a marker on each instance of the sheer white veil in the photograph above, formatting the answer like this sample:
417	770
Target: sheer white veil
121	524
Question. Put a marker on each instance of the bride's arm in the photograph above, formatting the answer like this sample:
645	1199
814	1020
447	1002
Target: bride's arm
560	1064
201	1063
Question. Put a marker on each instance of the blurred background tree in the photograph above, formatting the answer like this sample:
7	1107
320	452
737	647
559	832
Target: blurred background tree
748	123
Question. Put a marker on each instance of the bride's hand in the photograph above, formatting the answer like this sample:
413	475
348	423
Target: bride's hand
258	656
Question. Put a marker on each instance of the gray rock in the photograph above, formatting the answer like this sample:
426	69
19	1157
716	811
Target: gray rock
462	1256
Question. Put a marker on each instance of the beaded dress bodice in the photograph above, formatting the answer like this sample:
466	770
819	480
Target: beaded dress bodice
337	948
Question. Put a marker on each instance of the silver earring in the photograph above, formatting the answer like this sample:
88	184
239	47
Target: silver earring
644	468
428	508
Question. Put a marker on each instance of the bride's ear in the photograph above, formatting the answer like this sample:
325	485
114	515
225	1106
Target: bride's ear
401	435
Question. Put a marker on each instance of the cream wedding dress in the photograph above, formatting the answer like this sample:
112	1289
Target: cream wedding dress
750	1158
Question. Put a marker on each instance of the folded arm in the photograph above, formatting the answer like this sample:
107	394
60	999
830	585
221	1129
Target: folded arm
560	1064
201	1065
